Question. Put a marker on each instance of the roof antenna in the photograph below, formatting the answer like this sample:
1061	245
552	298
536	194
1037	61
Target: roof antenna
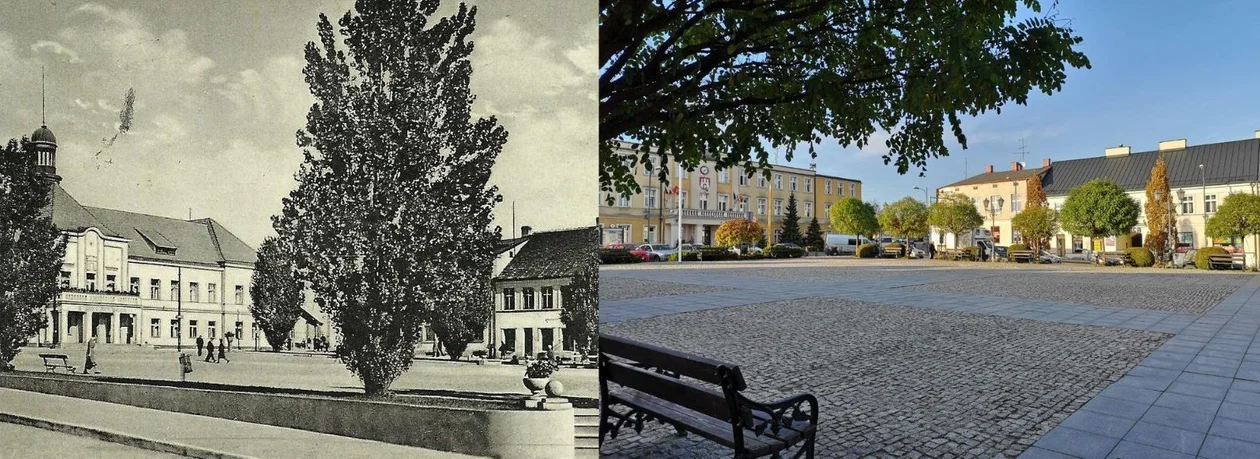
514	241
43	115
190	213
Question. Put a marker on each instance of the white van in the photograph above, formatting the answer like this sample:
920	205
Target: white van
840	244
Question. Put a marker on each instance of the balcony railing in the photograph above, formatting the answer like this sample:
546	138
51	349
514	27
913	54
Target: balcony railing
709	213
79	295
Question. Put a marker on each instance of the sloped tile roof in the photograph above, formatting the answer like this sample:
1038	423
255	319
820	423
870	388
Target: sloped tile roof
195	241
998	176
1226	162
553	254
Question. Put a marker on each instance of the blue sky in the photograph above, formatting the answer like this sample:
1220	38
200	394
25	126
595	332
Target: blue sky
1161	70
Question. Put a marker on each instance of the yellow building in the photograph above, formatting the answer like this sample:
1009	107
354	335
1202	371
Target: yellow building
710	196
998	195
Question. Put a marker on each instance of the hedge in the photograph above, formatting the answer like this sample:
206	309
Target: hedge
689	255
1142	257
713	253
1015	247
617	256
1201	260
866	251
781	251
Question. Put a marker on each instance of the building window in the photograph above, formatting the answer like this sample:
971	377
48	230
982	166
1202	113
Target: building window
194	292
240	294
64	279
91	281
155	328
761	206
111	283
809	185
852	189
792	183
724	176
827	209
623	201
743	203
212	293
548	298
237	333
211	328
509	299
1187	204
174	328
1016	205
704	201
722	198
827	186
684	200
743	180
778	207
809	209
1209	203
527	298
135	286
761	180
155	289
649	234
175	290
778	181
649	198
192	329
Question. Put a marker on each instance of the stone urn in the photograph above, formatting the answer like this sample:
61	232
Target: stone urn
535	385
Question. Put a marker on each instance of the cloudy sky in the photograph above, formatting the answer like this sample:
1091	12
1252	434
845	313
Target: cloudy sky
220	92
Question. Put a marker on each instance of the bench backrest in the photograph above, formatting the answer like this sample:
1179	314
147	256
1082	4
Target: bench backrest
618	359
709	402
689	365
54	356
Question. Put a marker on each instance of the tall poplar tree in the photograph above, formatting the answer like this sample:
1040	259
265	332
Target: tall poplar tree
31	249
276	292
1159	213
391	218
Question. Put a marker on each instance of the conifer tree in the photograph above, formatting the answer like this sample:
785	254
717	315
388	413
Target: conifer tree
392	212
791	223
813	235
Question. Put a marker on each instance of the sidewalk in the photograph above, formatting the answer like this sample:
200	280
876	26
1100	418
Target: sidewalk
196	436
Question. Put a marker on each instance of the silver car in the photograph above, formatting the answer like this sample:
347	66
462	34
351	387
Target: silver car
655	252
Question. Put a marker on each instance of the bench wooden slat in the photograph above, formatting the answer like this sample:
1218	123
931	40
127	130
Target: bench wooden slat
692	366
709	402
707	427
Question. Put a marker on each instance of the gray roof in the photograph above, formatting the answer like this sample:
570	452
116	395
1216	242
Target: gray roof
998	176
1226	162
553	254
195	241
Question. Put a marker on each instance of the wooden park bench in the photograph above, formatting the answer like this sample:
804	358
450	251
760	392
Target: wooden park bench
54	361
1122	257
1017	256
956	254
649	381
1230	261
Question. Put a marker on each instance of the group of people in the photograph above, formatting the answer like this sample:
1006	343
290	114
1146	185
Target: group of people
318	344
210	349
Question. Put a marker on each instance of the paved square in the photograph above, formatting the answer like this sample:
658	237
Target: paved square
1097	362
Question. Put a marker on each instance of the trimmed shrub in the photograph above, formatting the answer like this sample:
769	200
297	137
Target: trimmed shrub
717	254
617	256
782	251
689	255
1015	247
753	256
1142	257
1201	260
866	251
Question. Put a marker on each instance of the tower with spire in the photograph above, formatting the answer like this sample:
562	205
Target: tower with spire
43	143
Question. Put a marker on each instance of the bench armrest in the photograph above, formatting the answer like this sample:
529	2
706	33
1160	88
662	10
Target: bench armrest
782	413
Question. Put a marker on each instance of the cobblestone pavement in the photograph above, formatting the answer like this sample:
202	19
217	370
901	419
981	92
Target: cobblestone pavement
1196	395
624	288
1189	293
896	381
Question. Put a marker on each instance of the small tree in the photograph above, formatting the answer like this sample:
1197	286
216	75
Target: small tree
906	218
580	300
1099	209
814	236
31	251
276	291
954	214
1159	215
738	232
1237	217
1036	196
792	224
1037	224
761	240
852	216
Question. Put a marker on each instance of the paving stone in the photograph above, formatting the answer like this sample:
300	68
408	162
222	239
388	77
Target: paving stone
1077	443
1098	423
1170	438
1215	447
1182	419
1115	407
1198	390
1130	450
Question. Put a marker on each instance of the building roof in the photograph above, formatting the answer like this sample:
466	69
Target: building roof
553	254
998	176
837	177
43	134
1225	162
195	241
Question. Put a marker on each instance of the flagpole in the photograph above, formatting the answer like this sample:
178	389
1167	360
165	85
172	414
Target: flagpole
680	212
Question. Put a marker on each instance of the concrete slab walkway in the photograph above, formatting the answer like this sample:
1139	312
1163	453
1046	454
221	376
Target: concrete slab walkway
186	434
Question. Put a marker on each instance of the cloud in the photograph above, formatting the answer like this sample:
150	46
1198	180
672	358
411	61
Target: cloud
56	49
515	68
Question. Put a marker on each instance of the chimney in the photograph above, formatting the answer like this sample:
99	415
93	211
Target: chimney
525	231
1016	166
1178	144
1117	151
988	169
1258	133
1045	162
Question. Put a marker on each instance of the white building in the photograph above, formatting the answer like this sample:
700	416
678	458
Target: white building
531	280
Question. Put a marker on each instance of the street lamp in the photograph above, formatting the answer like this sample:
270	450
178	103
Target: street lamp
1203	182
994	205
925	194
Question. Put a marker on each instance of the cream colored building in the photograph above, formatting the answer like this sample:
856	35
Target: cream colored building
998	195
710	197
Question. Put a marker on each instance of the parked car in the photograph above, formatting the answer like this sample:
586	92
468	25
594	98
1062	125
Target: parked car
653	252
621	245
917	252
1050	257
746	249
840	244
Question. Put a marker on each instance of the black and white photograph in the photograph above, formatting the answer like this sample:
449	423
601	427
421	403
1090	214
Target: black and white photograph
299	228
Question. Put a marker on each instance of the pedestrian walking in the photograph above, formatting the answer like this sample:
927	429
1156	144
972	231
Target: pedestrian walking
209	351
200	343
931	251
89	362
229	337
223	351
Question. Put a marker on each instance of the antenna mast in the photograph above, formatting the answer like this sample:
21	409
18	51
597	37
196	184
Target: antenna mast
1023	151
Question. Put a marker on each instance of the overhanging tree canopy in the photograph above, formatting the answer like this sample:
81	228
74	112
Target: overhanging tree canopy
721	79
